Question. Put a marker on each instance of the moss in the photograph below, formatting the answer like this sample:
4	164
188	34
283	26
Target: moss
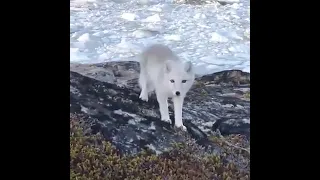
92	158
237	144
247	95
198	84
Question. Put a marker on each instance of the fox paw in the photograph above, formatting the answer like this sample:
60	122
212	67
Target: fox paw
144	97
166	120
182	127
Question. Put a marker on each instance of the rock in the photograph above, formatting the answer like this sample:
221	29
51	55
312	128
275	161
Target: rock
107	95
234	77
224	2
96	72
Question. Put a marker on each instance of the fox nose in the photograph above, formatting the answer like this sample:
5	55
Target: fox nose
177	93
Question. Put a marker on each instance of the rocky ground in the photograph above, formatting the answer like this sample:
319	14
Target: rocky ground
216	111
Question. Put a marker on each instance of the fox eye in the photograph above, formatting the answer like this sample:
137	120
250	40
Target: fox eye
184	81
172	81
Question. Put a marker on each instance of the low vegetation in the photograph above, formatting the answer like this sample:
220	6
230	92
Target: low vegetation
92	158
247	95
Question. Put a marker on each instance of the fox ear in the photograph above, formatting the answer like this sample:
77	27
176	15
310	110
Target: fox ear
188	66
167	66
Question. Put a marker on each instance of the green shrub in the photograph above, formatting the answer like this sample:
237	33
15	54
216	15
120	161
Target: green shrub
92	158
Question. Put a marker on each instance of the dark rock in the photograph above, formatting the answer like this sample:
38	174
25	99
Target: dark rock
108	95
225	2
234	77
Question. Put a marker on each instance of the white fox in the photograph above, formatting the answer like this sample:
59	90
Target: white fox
162	71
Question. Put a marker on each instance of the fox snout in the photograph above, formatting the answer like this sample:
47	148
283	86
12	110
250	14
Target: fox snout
177	93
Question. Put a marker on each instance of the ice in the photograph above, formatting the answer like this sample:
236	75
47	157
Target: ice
128	16
218	38
213	37
173	37
153	18
85	37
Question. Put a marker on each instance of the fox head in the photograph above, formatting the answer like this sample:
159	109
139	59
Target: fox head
178	77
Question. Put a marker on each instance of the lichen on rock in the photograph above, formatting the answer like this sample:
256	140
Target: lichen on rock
105	105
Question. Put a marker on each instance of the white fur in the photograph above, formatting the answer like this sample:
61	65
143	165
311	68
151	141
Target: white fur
162	71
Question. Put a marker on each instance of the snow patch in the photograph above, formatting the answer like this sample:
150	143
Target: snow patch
218	38
152	19
172	37
84	38
214	37
129	16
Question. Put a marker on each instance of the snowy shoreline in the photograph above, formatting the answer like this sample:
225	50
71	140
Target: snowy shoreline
213	37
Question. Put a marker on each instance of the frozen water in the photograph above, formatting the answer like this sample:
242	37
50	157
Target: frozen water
214	37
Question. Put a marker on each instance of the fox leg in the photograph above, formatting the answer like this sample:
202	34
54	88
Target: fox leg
163	107
178	103
143	85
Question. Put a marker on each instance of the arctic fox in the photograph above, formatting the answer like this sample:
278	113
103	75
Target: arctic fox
162	71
